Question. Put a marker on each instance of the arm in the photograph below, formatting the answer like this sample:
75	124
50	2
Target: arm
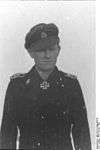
80	129
8	133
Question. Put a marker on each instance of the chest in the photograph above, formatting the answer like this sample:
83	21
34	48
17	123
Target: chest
43	107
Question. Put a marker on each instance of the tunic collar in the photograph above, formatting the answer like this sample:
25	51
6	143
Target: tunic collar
35	78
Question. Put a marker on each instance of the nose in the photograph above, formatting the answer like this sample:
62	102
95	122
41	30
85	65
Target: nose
47	53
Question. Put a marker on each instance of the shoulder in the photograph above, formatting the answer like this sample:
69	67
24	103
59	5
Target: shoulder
69	80
16	82
68	75
17	76
17	79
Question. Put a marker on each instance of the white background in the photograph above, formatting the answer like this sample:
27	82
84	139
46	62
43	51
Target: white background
76	22
98	63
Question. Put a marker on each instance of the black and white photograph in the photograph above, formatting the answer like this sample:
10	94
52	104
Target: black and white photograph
47	75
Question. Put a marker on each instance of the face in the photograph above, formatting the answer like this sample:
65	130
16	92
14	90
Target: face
45	59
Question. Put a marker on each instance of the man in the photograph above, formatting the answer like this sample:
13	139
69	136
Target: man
45	104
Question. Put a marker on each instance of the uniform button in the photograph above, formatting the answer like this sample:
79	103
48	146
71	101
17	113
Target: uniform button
57	82
38	144
64	112
62	85
42	117
60	79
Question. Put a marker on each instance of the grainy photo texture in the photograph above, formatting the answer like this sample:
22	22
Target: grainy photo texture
44	107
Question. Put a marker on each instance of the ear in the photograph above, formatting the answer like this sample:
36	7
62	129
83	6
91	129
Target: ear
58	50
59	47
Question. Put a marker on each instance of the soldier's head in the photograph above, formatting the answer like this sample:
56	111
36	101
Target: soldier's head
42	43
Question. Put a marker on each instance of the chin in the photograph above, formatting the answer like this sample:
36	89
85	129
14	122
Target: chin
47	67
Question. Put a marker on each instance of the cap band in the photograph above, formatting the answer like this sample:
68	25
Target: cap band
43	43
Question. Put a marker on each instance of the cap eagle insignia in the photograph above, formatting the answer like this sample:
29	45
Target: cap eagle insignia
43	35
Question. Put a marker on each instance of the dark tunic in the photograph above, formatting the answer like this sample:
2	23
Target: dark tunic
45	112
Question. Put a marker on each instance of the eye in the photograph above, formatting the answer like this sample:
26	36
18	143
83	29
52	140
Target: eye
40	50
51	48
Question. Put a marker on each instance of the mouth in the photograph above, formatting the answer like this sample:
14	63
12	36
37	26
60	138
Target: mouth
46	61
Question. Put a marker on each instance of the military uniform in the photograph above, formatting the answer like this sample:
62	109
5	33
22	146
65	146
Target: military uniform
46	113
